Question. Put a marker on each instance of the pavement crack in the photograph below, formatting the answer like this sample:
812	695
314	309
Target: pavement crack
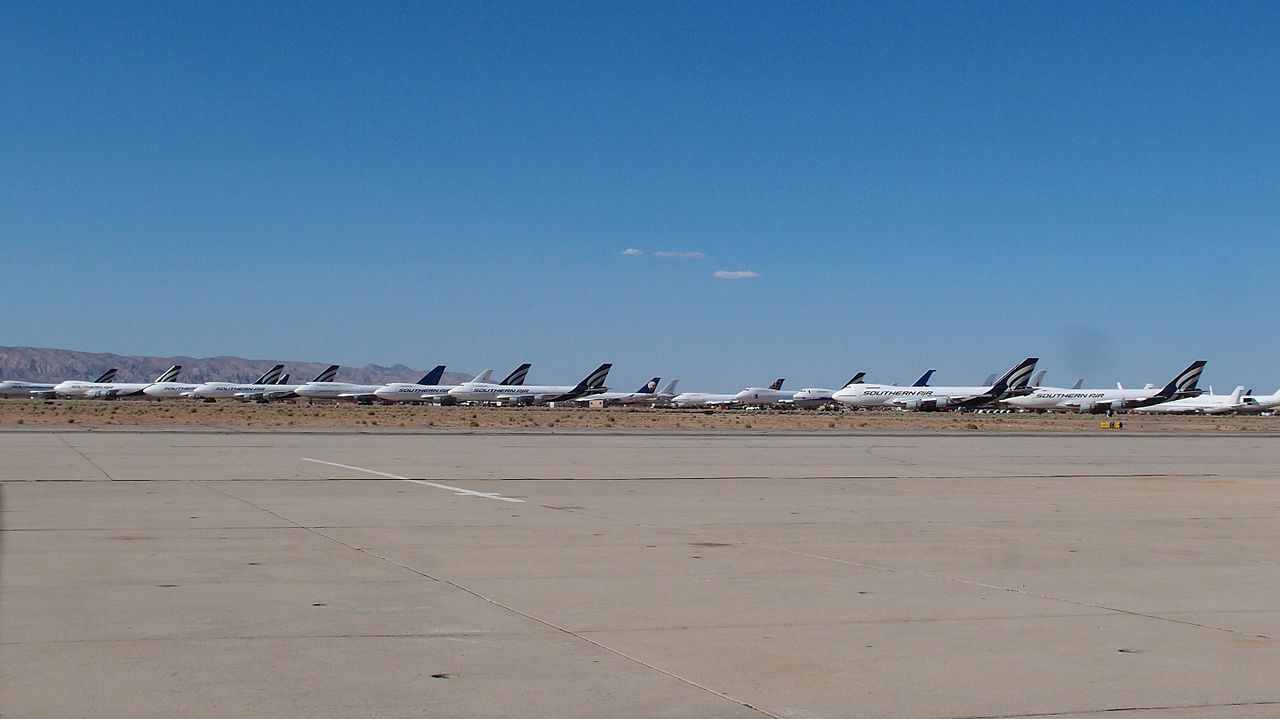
490	600
83	456
1112	710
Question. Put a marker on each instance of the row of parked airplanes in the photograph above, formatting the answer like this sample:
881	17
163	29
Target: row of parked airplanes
1017	389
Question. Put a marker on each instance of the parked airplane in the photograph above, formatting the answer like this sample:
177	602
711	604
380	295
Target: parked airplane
179	390
334	390
772	394
170	390
1207	403
709	399
812	397
1255	403
532	394
1097	401
935	398
645	395
259	390
429	389
18	388
111	390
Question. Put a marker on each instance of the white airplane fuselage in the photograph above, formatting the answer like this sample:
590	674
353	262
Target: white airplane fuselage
409	392
811	397
512	394
100	390
17	388
170	390
242	390
892	396
763	395
702	399
336	390
1085	401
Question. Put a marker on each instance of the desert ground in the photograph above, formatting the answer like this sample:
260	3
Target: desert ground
303	415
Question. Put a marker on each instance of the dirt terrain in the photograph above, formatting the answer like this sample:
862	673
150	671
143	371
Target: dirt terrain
316	416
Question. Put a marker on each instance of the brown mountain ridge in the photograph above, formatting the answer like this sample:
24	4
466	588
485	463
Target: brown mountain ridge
42	364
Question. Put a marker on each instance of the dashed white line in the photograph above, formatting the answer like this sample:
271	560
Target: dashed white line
455	490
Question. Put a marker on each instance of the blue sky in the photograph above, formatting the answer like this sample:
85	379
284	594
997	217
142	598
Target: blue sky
915	185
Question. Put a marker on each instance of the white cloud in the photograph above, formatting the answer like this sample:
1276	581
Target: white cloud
735	274
667	254
632	252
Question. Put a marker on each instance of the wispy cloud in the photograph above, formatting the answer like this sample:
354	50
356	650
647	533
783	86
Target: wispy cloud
736	274
669	255
632	252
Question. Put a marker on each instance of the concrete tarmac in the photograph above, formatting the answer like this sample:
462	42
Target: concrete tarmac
593	574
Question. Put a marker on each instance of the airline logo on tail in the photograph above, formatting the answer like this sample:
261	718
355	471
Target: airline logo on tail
328	375
107	376
270	376
777	384
1019	376
1185	382
516	378
170	374
595	380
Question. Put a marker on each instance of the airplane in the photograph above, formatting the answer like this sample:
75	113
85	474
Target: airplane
532	394
111	390
709	399
935	398
812	397
1256	403
258	390
429	389
772	394
1208	403
330	389
174	390
18	388
1098	401
645	394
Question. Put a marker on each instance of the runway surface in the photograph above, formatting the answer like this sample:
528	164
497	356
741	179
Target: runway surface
267	574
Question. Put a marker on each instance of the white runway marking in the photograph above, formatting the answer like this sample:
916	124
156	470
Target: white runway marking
455	490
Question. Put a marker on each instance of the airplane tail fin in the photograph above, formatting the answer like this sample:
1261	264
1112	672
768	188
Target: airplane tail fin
433	377
777	383
856	379
483	377
671	387
924	379
650	387
1185	382
1079	383
1038	380
595	380
328	374
1014	377
1236	395
270	376
107	376
284	378
991	379
170	374
516	378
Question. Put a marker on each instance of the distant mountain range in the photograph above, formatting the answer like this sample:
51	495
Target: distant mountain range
40	364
